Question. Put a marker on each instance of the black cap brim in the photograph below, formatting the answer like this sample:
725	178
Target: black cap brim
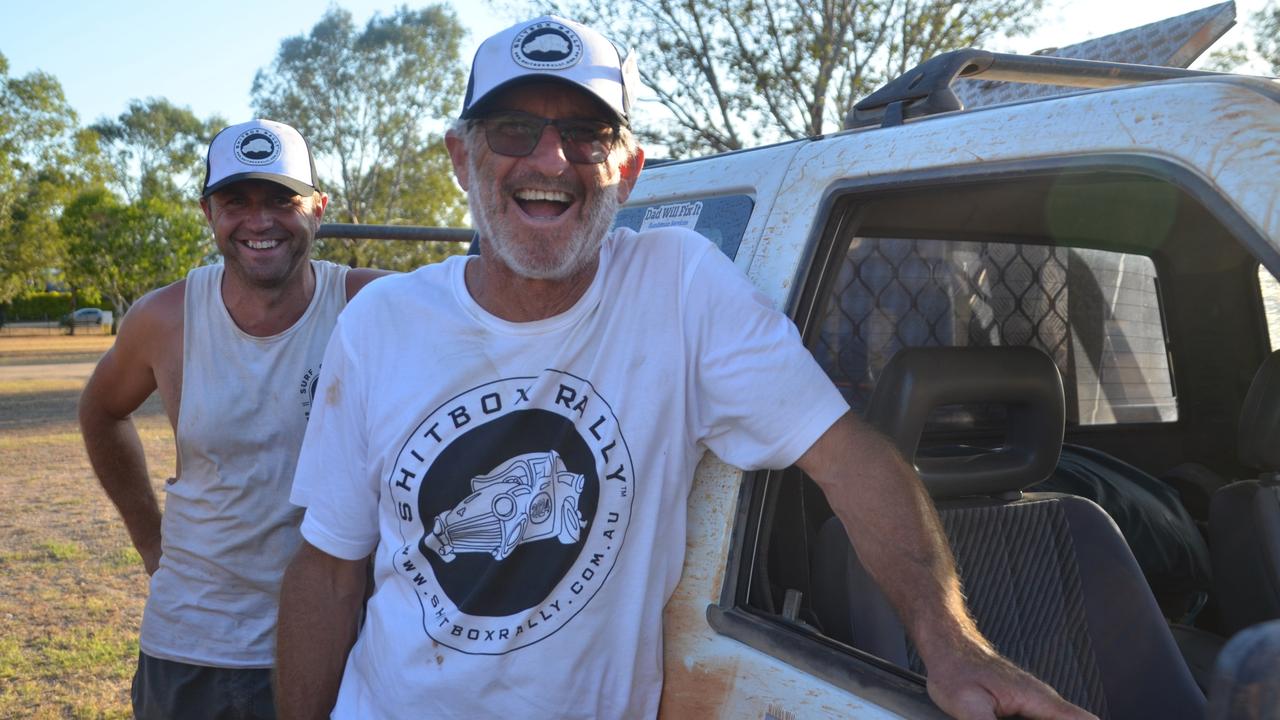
481	106
293	184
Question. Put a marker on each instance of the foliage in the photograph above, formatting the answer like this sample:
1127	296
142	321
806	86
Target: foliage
735	73
157	149
1239	57
126	249
154	160
1226	59
43	158
1266	33
39	306
367	99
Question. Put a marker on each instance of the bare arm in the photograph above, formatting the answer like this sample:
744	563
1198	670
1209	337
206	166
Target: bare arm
121	382
895	530
319	609
357	278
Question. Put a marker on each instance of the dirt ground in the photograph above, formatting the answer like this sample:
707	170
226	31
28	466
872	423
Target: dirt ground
73	588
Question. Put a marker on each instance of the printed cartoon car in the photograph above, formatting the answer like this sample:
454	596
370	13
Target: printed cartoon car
257	147
546	43
527	498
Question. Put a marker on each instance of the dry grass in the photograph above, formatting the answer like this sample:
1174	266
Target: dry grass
51	349
73	590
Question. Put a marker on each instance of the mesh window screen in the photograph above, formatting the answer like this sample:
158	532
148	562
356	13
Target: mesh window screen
1095	313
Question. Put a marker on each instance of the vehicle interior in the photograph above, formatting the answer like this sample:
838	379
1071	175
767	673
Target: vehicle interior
1078	357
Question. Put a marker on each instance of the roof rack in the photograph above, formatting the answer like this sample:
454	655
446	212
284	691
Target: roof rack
926	88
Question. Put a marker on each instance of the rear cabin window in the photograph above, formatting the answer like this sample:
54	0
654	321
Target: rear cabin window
1096	313
722	220
1271	304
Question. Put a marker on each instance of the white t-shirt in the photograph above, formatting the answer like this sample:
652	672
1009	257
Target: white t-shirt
525	484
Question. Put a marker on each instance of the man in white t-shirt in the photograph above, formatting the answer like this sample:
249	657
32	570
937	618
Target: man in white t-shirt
515	434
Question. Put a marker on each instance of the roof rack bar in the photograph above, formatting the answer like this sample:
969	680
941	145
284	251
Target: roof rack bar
1072	72
926	88
394	232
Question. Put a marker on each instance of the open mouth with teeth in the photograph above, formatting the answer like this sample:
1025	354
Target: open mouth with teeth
261	244
543	203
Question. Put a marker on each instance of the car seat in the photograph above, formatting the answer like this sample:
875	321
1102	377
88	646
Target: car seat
1048	577
1244	516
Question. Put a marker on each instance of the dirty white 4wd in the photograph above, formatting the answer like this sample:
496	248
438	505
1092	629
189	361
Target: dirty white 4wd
1131	234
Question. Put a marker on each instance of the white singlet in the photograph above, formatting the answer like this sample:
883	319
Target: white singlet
229	529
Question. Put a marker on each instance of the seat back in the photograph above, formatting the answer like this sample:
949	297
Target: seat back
1259	431
1244	516
1048	578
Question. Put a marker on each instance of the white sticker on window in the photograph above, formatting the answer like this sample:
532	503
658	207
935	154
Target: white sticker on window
683	215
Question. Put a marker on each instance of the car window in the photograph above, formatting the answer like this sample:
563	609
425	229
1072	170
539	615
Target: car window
1271	304
722	220
1096	313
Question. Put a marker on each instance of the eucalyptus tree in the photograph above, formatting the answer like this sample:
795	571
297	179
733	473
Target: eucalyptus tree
736	73
374	100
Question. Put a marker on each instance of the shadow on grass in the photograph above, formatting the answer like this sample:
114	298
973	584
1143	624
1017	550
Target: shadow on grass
38	411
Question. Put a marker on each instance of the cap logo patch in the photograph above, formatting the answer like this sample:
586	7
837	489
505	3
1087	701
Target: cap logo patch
546	46
257	147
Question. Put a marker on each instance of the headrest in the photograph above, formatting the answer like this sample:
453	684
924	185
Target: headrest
1023	379
1259	444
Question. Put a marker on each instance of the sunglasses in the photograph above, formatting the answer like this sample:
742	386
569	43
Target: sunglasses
516	134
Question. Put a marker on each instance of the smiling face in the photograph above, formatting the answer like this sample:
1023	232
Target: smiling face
264	230
542	216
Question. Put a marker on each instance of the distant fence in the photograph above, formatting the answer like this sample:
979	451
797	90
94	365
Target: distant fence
49	327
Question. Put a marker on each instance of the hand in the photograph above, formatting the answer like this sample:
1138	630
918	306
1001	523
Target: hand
151	562
979	683
150	552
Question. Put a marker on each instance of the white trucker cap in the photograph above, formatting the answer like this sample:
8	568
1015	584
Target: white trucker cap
556	49
260	150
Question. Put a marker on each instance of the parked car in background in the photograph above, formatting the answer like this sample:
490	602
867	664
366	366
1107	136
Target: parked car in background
87	317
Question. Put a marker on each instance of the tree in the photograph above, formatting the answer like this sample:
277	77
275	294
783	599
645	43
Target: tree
42	158
125	249
1266	33
368	99
734	73
1239	57
157	149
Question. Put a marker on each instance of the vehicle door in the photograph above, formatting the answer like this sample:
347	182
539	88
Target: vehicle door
1150	209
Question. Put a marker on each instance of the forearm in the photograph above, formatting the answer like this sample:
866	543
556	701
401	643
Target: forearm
116	454
319	609
893	526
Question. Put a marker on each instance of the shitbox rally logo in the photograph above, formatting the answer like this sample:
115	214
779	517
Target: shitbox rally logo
546	46
257	147
513	499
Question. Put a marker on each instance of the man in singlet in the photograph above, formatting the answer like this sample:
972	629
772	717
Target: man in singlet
235	351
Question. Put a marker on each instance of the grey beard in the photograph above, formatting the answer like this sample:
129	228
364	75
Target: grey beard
583	248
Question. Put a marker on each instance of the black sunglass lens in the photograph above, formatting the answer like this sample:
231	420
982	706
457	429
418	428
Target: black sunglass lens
518	135
586	142
513	136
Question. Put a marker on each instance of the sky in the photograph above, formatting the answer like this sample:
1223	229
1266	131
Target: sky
204	55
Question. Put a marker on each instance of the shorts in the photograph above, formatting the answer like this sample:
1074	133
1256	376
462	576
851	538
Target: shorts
164	690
